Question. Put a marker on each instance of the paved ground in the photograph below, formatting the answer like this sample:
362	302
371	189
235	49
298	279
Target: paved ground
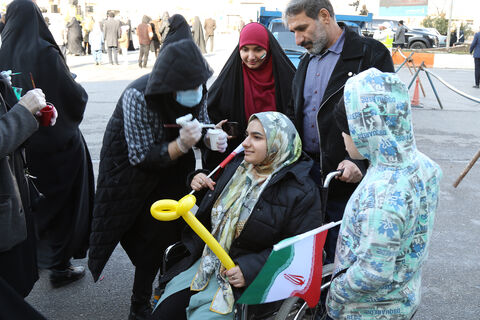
451	288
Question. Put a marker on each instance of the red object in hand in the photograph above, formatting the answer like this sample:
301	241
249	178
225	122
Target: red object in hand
47	114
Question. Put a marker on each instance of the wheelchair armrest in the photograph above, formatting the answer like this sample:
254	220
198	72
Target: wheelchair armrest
172	254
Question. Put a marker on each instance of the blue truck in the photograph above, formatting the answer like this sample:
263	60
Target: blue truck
273	21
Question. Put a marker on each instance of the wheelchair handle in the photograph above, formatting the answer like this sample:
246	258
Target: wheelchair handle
332	175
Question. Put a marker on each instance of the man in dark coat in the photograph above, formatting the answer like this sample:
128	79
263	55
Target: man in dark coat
111	33
141	162
18	265
57	156
335	54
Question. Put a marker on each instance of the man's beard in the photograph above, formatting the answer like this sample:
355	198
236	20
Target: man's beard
319	45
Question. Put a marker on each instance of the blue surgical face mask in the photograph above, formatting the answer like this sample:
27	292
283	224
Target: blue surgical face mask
190	98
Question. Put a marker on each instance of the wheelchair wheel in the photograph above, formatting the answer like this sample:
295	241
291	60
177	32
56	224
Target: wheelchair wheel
294	308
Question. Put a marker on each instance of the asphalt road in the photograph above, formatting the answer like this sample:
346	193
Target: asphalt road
451	276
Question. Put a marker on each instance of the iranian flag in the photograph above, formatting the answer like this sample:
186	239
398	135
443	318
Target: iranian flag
294	268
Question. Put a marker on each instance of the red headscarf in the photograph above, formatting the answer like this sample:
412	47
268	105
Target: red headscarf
258	84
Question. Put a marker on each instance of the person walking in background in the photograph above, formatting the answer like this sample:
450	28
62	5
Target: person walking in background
334	54
388	222
197	34
155	41
385	35
400	35
111	33
475	49
87	27
74	37
163	27
123	43
145	34
96	42
210	25
59	32
58	156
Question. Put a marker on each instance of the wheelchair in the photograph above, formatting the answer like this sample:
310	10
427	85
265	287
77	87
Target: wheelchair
292	308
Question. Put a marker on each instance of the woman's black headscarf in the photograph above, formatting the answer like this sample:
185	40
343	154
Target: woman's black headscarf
226	96
29	47
179	29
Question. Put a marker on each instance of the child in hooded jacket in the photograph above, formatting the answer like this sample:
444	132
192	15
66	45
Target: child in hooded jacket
388	221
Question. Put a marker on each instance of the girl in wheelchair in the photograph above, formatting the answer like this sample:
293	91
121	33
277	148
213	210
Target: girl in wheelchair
263	196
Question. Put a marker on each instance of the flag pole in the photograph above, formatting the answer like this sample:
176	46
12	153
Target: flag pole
288	242
224	162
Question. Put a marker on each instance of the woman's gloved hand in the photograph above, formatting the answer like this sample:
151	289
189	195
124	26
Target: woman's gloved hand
33	100
7	75
190	134
54	117
222	142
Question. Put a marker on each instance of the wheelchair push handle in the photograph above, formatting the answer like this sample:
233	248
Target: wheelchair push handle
332	175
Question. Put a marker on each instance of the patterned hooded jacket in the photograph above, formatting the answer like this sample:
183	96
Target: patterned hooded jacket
388	221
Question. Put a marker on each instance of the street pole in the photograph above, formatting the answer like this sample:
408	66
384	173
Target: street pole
449	24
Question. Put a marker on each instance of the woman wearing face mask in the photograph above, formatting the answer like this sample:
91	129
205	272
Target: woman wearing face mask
262	197
257	77
142	161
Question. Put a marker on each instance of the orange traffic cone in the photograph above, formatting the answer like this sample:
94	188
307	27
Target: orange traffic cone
416	95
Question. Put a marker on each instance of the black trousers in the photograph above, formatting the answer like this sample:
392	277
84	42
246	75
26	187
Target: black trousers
477	71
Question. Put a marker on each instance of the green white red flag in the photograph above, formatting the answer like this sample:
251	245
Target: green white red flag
294	268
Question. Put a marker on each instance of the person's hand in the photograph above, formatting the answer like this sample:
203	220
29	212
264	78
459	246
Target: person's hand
54	117
33	100
201	181
235	277
222	142
190	134
351	173
7	75
220	126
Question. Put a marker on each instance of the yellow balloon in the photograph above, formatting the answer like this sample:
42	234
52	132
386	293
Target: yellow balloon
168	210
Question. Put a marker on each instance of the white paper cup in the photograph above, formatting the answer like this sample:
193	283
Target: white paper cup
213	134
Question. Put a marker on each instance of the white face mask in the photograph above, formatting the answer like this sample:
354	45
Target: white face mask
190	98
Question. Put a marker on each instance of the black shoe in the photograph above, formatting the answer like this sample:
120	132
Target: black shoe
476	87
59	278
140	312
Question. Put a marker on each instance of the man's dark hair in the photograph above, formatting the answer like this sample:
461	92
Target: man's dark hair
111	14
401	22
310	7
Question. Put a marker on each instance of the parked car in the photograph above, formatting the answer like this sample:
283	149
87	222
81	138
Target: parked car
442	40
415	39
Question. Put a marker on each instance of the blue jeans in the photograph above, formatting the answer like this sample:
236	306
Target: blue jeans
97	56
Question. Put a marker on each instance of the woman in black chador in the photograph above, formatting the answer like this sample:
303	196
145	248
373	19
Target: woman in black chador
256	78
74	37
57	156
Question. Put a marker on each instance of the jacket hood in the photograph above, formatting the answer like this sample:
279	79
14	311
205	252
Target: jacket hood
179	66
378	110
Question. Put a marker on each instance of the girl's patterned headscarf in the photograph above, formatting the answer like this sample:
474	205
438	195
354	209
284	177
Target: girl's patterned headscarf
237	200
